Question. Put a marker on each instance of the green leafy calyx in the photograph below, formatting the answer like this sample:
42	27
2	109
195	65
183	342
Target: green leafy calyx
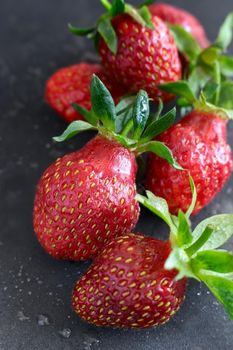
206	83
104	28
196	254
129	123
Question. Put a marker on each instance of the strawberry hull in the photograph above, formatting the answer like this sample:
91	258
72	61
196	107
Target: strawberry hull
127	285
199	144
86	198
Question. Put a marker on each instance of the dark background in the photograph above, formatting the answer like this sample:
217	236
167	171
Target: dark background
34	42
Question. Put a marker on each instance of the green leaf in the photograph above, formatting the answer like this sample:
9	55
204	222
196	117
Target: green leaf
157	114
222	287
226	95
135	14
89	116
225	34
207	107
106	30
226	65
213	260
157	206
102	103
210	90
159	126
161	150
124	112
210	55
197	245
73	129
80	31
180	88
185	42
118	7
141	110
194	197
184	235
198	79
222	230
146	15
147	3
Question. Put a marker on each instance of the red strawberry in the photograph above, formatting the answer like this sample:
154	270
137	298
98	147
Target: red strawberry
72	85
144	58
140	282
85	198
136	50
185	19
127	285
199	144
88	197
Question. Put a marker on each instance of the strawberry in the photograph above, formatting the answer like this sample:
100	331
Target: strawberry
185	19
140	282
72	85
199	144
199	141
85	198
88	196
127	285
136	49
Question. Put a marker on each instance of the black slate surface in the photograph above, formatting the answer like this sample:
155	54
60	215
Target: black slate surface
34	289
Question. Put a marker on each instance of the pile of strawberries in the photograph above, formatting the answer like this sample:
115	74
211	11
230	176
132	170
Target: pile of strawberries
86	203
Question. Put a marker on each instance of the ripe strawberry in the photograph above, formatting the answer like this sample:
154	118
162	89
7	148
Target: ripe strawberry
140	282
185	19
127	285
88	197
136	50
199	141
72	85
85	198
199	144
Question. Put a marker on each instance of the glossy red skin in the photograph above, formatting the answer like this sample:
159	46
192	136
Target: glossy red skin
175	15
199	144
72	85
86	198
145	57
127	285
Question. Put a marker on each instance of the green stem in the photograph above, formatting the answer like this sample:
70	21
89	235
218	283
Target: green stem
106	4
200	242
127	128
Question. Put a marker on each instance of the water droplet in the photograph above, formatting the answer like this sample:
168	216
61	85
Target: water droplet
22	317
65	333
89	341
43	320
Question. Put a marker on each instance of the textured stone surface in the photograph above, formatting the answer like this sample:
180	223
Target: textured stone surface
35	290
